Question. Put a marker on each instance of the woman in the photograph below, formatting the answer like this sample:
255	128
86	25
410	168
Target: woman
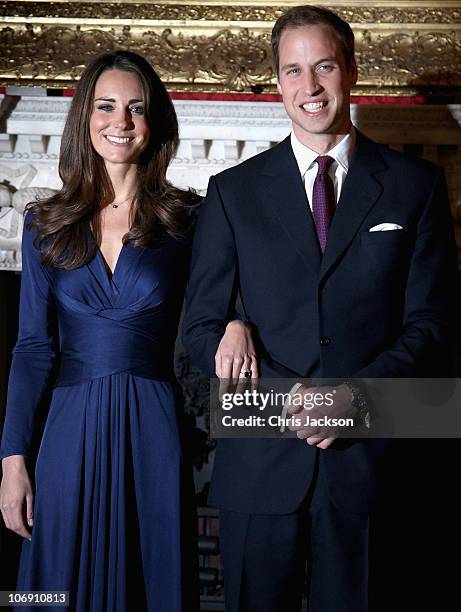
104	269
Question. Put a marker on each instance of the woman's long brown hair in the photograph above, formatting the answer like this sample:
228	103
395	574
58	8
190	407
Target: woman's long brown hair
66	222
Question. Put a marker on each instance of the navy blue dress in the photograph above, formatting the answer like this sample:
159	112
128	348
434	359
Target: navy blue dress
107	481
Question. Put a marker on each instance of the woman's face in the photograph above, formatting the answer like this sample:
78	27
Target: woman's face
118	125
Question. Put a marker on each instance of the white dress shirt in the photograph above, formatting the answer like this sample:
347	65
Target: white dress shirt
341	153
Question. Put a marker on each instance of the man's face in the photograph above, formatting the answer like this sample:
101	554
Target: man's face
315	82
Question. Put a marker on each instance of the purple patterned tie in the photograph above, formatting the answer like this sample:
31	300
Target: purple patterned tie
323	199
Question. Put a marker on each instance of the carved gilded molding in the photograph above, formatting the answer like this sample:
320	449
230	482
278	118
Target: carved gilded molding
354	12
403	47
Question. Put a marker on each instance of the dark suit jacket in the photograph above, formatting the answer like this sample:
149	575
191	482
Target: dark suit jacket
376	304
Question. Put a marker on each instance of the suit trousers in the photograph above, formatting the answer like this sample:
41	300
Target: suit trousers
265	556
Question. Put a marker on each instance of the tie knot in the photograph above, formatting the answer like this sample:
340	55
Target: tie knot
324	162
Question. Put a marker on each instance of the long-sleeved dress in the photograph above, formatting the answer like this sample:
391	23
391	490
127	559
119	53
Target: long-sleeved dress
107	499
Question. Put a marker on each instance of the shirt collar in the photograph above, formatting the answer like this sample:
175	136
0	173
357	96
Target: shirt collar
341	153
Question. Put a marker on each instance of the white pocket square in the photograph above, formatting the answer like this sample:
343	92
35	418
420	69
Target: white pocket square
385	227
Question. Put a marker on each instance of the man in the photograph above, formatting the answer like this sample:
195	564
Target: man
296	233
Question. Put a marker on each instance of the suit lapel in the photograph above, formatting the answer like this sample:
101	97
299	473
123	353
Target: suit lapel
360	192
284	190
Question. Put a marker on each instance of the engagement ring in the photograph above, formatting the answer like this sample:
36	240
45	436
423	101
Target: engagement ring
245	374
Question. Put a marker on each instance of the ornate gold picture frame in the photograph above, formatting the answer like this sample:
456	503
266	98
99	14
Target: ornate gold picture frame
403	47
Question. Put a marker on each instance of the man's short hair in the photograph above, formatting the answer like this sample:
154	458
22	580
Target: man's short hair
307	15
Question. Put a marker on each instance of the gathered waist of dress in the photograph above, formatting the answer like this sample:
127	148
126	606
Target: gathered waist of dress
98	347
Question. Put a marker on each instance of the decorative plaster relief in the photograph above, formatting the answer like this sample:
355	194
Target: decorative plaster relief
214	135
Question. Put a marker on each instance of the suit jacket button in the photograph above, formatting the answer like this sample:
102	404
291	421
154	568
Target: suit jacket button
325	341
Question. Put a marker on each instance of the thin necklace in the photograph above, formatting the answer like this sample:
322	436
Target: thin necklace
117	204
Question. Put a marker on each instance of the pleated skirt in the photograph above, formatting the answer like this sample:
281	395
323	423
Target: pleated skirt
107	500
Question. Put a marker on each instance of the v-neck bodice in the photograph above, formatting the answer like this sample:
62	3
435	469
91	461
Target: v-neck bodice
123	322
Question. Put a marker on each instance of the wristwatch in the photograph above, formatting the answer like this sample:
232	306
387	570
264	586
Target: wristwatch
359	402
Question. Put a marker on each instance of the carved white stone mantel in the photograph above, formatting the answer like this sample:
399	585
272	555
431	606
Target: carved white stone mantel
214	135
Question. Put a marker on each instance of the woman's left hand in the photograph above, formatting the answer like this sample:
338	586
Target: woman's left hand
236	352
